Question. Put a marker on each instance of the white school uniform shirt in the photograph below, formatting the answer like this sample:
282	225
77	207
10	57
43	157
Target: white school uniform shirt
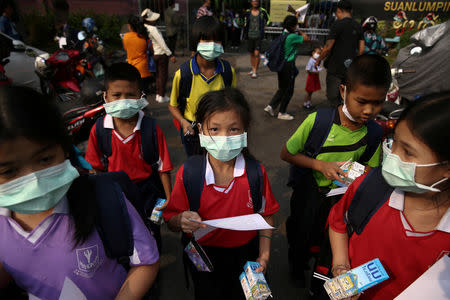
159	45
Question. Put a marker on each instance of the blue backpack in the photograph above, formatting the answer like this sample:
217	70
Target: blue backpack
194	178
318	135
186	81
275	53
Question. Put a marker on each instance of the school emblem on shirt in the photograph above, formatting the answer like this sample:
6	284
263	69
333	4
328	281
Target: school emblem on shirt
88	261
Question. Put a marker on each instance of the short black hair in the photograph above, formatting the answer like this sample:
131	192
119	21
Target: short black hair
345	5
370	70
289	22
122	71
428	120
170	2
206	28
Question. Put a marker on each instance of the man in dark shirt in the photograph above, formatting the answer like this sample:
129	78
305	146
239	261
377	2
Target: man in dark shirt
344	42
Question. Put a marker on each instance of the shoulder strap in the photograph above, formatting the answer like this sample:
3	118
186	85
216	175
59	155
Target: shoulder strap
369	197
103	140
374	136
193	179
185	84
255	181
319	132
113	221
227	74
149	141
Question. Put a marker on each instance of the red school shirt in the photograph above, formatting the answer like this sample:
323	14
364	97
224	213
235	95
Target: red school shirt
405	253
126	152
222	202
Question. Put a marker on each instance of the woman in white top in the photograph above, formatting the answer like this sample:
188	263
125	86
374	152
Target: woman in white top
162	54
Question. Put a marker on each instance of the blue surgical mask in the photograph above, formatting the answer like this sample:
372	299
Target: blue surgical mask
224	148
210	50
401	175
38	191
125	108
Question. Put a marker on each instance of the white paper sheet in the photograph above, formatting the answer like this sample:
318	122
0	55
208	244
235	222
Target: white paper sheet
302	13
433	284
337	191
240	223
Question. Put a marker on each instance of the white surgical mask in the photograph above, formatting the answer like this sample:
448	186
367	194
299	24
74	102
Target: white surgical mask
344	107
125	108
316	55
401	174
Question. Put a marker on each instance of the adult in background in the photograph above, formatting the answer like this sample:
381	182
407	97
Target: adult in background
7	26
344	42
171	19
204	9
374	43
255	19
161	53
135	44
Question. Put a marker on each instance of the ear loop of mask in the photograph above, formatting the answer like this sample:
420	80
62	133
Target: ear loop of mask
344	107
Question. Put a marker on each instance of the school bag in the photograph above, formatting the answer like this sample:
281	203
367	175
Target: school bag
318	135
371	194
185	84
275	53
194	178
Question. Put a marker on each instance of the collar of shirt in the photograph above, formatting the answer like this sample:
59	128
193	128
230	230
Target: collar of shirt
109	124
239	168
397	201
196	69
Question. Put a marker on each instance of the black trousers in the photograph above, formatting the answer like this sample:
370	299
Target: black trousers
333	82
223	283
286	82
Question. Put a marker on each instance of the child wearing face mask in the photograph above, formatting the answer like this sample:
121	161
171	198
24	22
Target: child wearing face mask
223	120
346	132
312	80
287	75
50	245
203	73
409	229
125	127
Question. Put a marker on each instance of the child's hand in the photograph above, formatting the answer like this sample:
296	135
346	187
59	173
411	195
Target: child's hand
263	265
162	207
188	226
187	128
331	170
173	59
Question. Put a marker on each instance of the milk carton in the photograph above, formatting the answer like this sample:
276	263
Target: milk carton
156	216
356	280
257	281
246	287
352	171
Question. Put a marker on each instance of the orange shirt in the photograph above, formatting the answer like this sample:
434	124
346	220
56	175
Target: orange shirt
136	48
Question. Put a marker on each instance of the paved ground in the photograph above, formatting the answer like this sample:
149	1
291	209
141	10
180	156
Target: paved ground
266	137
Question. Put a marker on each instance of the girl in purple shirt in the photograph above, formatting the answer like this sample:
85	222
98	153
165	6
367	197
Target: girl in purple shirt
48	242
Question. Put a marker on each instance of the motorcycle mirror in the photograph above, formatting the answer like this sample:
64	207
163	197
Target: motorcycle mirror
416	51
82	35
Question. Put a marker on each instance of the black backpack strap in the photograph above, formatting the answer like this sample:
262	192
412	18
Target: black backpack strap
149	139
316	138
369	197
185	85
194	179
374	136
256	183
227	74
319	132
113	221
103	140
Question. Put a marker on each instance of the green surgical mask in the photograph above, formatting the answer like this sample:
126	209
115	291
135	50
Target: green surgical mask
210	50
125	108
224	148
401	175
39	191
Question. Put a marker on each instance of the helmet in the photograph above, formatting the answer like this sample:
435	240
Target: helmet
89	24
370	24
